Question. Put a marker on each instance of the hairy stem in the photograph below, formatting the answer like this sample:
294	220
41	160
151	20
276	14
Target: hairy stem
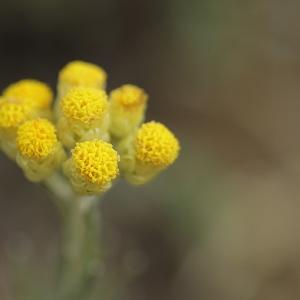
80	250
80	240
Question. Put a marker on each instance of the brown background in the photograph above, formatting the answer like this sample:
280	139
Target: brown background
223	222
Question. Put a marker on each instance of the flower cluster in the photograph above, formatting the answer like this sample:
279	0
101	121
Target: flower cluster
88	135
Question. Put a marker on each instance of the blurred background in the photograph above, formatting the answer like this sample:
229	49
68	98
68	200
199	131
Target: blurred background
223	222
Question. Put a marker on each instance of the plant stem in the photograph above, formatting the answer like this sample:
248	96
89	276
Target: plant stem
80	240
80	250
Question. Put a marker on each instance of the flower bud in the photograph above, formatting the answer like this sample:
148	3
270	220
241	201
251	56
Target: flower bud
80	73
12	115
127	109
92	167
151	150
31	92
39	151
84	116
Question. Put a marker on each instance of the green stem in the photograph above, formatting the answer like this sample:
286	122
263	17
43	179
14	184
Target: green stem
80	251
61	191
80	240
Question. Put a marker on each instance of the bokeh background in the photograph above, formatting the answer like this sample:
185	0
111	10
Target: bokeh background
223	222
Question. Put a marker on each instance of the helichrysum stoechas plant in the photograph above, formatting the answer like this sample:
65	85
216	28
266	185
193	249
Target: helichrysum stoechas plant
33	93
127	109
78	148
12	115
80	73
92	167
30	91
39	152
83	116
147	152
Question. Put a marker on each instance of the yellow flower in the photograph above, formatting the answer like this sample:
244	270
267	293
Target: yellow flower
156	145
31	92
80	73
86	121
84	116
152	149
129	97
85	105
40	152
36	139
12	115
127	109
92	167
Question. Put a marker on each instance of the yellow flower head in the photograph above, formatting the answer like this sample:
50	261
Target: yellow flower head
156	145
12	114
85	105
96	162
127	110
129	97
30	91
80	73
36	139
